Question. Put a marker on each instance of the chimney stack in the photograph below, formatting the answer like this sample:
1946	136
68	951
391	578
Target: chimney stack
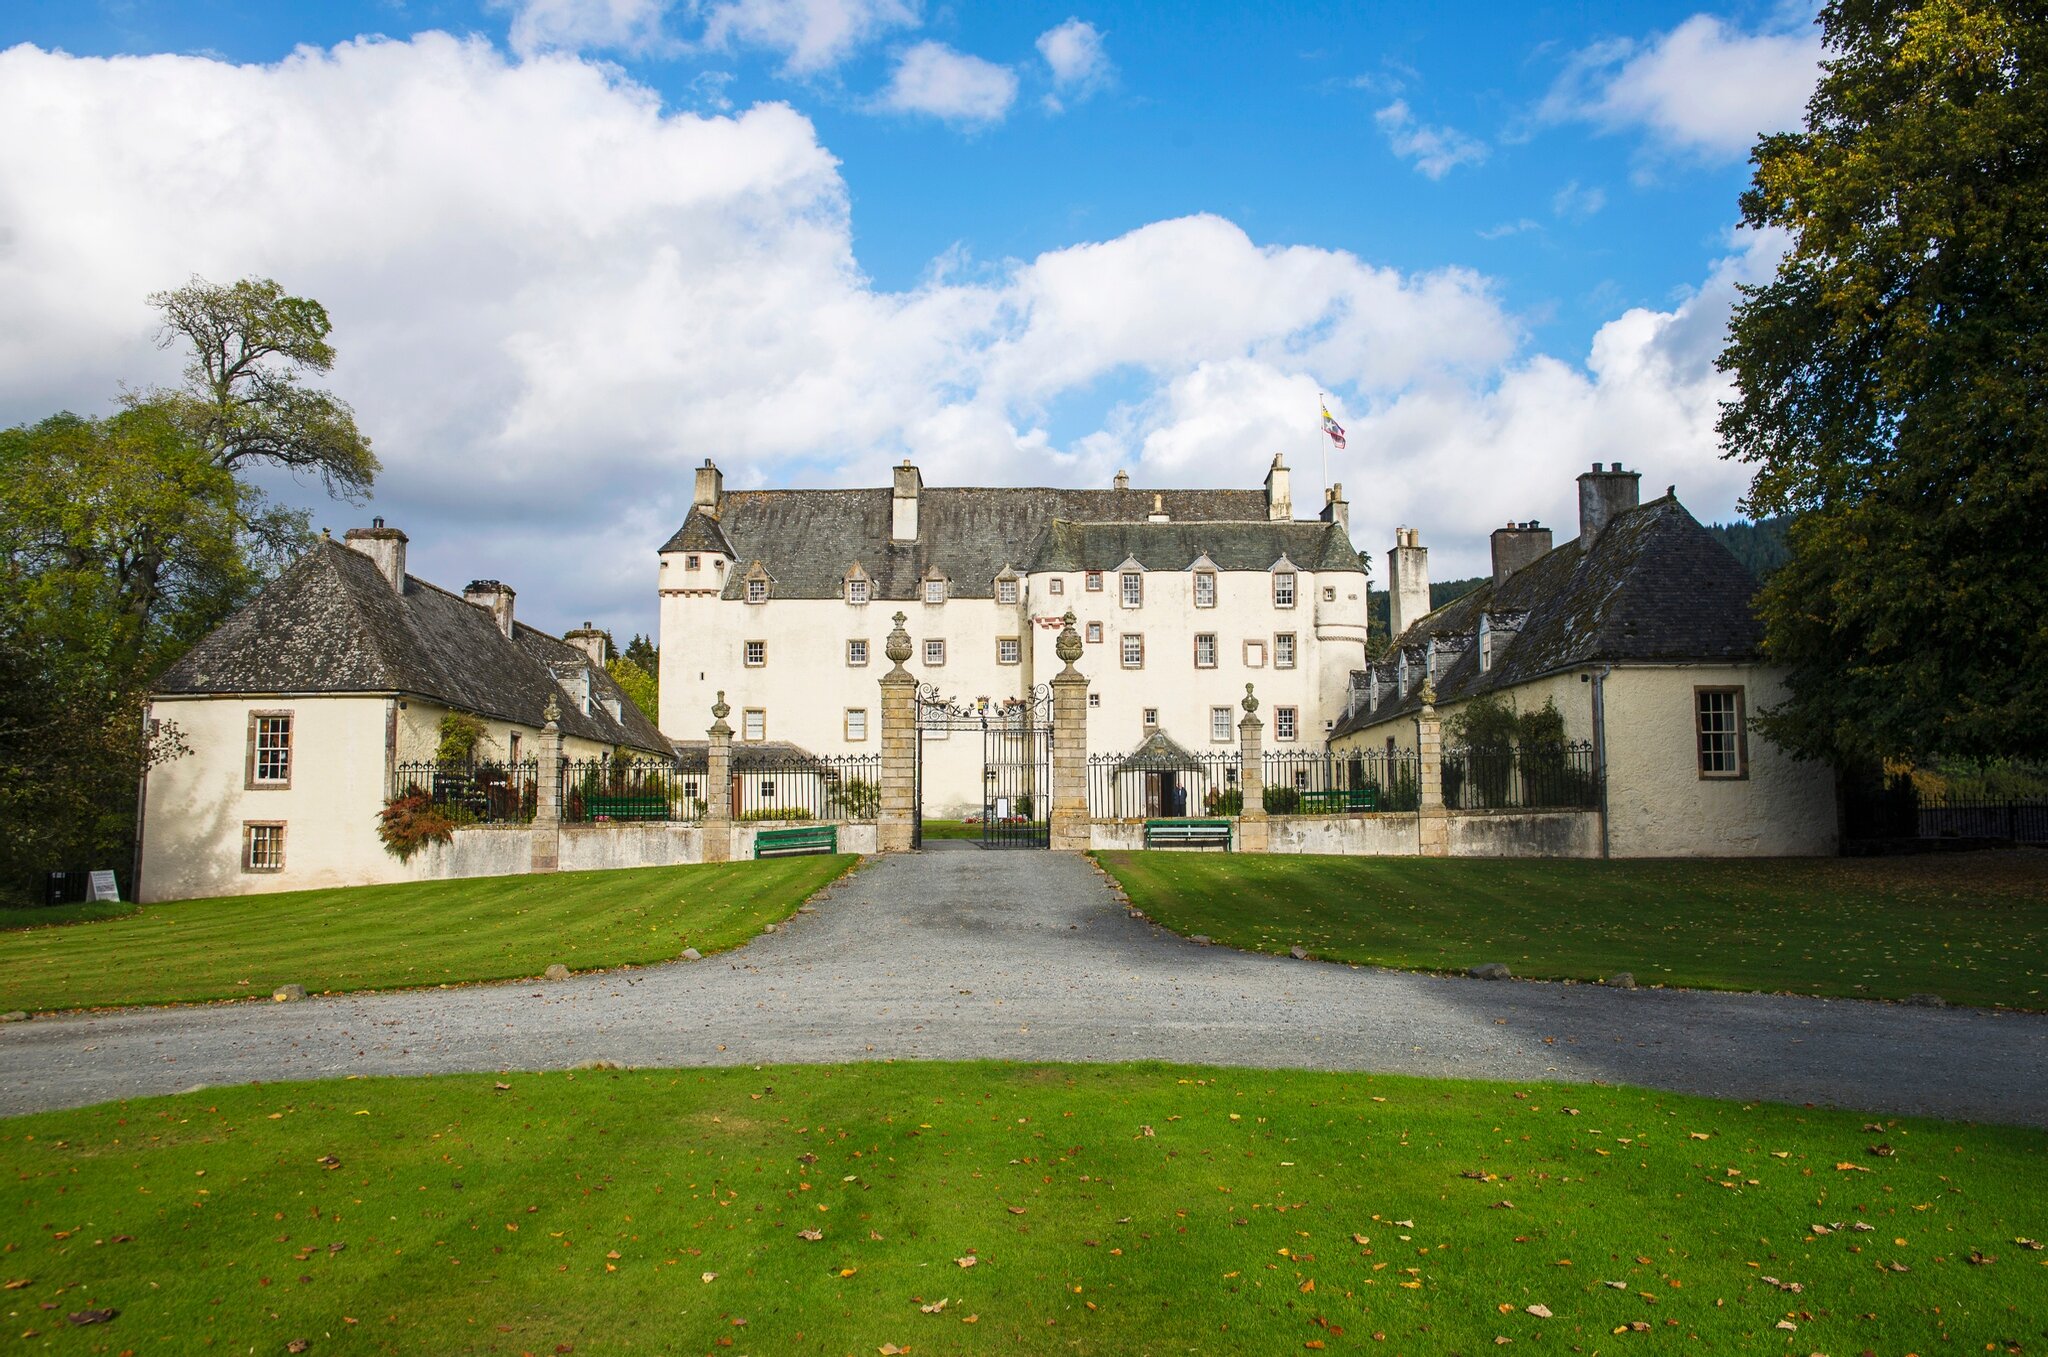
385	546
903	515
1279	494
1602	495
1407	581
495	597
1158	514
1517	545
589	640
1336	509
1123	480
710	488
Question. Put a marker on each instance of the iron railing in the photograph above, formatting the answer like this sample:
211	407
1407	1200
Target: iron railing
808	787
473	791
1153	786
1521	777
1326	782
626	791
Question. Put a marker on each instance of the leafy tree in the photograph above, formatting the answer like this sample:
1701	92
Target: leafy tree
1889	385
639	684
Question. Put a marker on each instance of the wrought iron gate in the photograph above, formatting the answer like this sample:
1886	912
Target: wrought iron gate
1016	763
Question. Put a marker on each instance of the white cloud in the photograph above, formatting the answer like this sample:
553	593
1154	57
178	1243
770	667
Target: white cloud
1436	151
813	35
552	298
1510	228
1079	64
1575	201
1704	88
586	25
931	78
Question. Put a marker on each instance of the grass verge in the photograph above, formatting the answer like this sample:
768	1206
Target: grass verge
1105	1209
1971	927
415	933
952	829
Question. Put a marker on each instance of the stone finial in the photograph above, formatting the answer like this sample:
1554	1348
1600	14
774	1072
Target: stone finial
897	647
719	709
552	712
1429	692
1068	646
1251	704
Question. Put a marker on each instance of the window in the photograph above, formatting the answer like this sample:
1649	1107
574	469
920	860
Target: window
1009	650
856	723
753	724
1301	779
1205	588
1056	586
270	750
512	748
1205	650
934	653
1255	654
767	789
1283	650
1329	593
1095	633
857	652
857	591
690	792
1094	581
757	654
1283	588
1095	699
757	591
1285	719
263	846
1151	718
1134	652
692	562
1219	724
1006	591
935	591
1723	745
1134	589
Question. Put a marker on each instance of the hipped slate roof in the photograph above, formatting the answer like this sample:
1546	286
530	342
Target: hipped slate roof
331	624
808	539
1654	589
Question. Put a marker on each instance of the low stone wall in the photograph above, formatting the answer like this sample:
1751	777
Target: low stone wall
1472	834
515	850
1524	833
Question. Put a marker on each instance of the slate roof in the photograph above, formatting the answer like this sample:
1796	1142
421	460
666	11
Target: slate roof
1176	546
331	624
1654	589
749	756
807	539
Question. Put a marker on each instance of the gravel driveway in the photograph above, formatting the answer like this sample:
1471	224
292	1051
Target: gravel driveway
960	953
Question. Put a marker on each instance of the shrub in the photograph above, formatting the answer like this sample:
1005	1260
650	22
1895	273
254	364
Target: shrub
460	733
1281	800
857	799
780	813
1229	802
412	820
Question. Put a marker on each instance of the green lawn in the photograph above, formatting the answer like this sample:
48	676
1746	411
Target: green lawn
390	937
1104	1209
1971	927
43	916
952	829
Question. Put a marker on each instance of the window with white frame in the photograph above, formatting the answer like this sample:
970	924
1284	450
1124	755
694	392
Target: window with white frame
767	789
1205	650
1006	591
757	654
1009	650
1133	585
270	749
754	724
1301	779
1283	650
1329	593
1095	699
1718	723
1285	722
1151	718
856	590
1219	724
757	591
690	792
857	652
935	591
856	723
1134	651
1093	580
1095	633
1205	588
1283	588
1255	654
934	654
263	846
1056	585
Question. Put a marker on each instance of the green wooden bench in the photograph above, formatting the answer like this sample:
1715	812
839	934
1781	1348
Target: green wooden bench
1340	799
776	843
626	807
1188	834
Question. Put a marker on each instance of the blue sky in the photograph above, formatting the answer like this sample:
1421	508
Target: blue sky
1018	242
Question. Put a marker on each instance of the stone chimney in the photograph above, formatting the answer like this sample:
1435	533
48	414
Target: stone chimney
1122	481
385	546
1279	494
903	516
1158	514
1407	580
589	640
1602	495
1517	545
494	596
1336	509
710	488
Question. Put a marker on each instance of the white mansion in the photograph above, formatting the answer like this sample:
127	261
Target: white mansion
782	599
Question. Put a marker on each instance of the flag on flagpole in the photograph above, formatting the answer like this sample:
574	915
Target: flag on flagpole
1332	427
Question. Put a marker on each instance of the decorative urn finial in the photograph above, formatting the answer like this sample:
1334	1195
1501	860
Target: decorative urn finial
552	712
1429	692
719	710
1068	646
897	647
1251	704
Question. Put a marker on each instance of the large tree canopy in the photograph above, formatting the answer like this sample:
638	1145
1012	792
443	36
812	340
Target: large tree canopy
1890	383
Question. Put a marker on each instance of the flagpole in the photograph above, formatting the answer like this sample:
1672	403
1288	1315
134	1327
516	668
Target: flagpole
1322	404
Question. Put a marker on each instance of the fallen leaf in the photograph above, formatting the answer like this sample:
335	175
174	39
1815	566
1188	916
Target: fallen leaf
936	1307
969	1261
1540	1311
710	1276
1981	1259
1850	1168
82	1317
812	1235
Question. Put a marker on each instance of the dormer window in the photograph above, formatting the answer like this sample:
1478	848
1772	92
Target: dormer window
935	591
1205	588
1133	589
1485	644
1006	590
1283	588
757	590
857	590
